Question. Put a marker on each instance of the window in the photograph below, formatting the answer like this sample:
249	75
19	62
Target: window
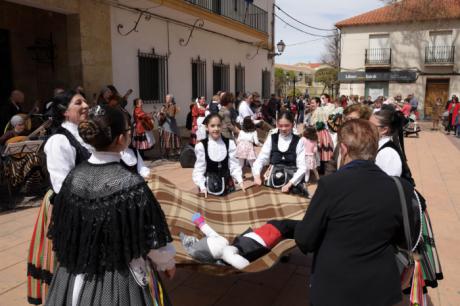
441	38
220	77
198	78
440	49
240	79
266	80
379	52
153	77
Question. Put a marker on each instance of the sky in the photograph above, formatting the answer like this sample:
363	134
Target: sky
324	14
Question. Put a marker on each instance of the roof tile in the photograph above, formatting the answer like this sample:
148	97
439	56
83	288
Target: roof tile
406	10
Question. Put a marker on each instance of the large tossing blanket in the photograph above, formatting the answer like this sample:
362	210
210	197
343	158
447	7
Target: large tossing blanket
229	216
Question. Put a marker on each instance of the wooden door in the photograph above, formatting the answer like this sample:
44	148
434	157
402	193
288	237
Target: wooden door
435	89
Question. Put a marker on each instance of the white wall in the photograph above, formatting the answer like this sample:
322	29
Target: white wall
210	47
407	41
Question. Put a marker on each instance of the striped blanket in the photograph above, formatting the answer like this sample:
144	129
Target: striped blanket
229	216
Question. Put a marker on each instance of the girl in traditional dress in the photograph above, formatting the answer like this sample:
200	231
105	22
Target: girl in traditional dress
169	131
285	154
392	160
310	142
64	150
247	139
198	115
318	119
104	258
143	125
216	167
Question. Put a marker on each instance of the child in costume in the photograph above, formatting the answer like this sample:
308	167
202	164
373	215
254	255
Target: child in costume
285	154
247	139
216	167
310	142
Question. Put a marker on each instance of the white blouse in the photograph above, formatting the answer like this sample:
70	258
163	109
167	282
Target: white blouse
283	145
60	155
249	136
130	159
244	111
217	152
388	159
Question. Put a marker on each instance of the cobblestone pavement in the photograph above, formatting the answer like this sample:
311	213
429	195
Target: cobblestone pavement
434	160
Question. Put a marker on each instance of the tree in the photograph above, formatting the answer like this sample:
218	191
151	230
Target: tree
331	55
281	80
328	77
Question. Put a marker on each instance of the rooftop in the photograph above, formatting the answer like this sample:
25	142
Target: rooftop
410	10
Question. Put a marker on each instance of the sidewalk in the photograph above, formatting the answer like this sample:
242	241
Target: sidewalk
435	163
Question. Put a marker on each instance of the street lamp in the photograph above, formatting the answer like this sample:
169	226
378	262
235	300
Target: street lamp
280	46
295	80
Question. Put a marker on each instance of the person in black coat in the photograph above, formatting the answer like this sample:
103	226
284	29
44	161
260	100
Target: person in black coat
352	224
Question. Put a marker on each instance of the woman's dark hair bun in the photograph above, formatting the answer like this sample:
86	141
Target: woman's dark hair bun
103	126
89	131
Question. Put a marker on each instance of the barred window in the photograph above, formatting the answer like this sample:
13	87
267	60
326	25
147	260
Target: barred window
240	79
153	77
198	78
220	77
266	80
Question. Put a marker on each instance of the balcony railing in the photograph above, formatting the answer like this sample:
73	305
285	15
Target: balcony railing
378	57
238	10
443	55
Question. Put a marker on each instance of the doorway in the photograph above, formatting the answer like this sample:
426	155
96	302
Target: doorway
376	89
6	84
435	88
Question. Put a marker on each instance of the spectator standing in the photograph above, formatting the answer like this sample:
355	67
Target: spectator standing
436	113
413	103
229	129
351	226
169	131
451	109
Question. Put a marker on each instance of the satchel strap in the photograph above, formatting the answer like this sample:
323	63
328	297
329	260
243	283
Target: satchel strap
402	199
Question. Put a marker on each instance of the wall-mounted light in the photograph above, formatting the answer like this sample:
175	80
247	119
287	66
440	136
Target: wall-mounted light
280	46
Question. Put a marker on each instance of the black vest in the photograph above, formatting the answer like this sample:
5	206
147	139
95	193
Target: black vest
288	158
221	168
406	173
82	153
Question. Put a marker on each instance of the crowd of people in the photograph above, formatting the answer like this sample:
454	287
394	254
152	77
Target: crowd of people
101	236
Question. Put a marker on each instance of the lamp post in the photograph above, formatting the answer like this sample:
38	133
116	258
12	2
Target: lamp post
294	80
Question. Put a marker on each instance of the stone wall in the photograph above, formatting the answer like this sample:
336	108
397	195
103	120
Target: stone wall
82	34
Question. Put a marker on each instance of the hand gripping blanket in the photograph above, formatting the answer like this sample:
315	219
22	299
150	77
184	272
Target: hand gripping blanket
230	216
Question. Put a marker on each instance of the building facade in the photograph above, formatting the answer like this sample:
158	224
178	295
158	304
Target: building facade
187	48
382	56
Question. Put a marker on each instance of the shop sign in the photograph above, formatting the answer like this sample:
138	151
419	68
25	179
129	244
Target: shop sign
362	76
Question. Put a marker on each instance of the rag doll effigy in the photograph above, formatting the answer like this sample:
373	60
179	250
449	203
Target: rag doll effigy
245	248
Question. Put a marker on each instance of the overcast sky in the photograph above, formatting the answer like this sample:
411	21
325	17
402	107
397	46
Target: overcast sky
318	13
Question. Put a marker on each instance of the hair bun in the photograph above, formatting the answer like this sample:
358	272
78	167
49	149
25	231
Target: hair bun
89	131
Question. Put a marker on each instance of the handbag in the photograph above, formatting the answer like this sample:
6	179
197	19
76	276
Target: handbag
215	184
404	256
280	176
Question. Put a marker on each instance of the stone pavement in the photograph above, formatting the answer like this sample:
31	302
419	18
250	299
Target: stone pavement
434	160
